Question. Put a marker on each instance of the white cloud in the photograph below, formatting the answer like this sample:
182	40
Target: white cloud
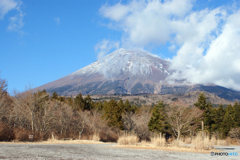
146	22
105	46
16	21
6	6
57	20
207	40
221	64
172	48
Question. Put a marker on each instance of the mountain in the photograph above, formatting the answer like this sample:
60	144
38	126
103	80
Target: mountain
127	72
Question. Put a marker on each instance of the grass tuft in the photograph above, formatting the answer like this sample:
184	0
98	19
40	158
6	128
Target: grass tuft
128	139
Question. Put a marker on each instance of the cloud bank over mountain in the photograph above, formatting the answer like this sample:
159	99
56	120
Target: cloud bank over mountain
205	41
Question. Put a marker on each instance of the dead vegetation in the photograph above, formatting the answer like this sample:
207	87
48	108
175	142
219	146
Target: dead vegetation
196	143
37	117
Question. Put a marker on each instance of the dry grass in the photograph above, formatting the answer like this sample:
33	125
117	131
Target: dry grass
158	141
55	141
200	142
96	137
128	139
195	144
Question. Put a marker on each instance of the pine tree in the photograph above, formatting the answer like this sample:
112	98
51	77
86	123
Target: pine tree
70	101
54	95
221	111
218	115
226	124
201	103
157	122
121	104
236	118
113	114
79	102
208	117
228	121
127	106
98	105
88	104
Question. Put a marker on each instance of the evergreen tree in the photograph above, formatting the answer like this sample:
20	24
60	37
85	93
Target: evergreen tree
201	103
127	106
236	118
61	99
220	111
88	104
113	113
208	115
226	124
228	121
157	122
39	98
121	104
79	102
218	115
98	105
54	95
70	101
44	94
229	109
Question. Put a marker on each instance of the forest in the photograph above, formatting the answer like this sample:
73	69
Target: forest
43	115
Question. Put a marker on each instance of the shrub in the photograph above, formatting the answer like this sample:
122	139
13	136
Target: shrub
21	134
6	133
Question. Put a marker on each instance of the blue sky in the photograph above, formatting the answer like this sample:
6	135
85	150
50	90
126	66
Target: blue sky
42	41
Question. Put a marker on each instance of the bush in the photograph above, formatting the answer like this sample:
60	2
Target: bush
109	136
21	134
6	133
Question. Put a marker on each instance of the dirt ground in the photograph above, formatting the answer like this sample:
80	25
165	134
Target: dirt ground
100	151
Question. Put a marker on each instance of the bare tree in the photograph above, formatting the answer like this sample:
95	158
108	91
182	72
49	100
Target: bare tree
235	133
48	121
182	118
65	116
128	123
141	120
31	103
81	121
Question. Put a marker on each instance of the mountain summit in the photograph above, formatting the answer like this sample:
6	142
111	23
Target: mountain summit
123	72
123	63
127	72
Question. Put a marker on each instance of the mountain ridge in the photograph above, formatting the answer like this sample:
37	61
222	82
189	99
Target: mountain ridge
128	72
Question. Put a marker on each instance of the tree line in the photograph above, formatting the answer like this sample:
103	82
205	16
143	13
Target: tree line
42	114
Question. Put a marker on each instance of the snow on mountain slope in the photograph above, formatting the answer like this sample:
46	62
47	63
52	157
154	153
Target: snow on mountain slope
122	61
127	72
123	71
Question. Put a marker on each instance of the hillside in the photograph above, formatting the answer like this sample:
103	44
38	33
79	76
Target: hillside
129	72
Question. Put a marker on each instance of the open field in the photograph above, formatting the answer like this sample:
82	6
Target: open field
99	151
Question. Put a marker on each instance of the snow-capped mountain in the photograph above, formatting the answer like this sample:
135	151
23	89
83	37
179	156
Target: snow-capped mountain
123	71
126	72
122	61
